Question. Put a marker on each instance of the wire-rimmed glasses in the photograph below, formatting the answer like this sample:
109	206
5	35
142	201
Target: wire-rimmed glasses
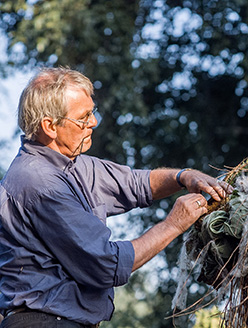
85	121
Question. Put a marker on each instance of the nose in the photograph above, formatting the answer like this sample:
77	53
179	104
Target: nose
92	122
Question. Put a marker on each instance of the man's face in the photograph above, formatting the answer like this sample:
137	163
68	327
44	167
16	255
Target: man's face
73	137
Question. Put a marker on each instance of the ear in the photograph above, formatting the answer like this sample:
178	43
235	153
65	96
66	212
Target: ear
49	128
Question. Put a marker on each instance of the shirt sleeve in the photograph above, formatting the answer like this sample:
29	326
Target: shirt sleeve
117	186
79	241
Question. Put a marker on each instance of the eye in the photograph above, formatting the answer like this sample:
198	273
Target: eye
88	115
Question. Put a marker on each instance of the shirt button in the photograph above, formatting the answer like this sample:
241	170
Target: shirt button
59	318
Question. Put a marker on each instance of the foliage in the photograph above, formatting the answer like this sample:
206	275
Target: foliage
170	82
208	318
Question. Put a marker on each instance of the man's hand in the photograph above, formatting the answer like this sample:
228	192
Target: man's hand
196	181
186	210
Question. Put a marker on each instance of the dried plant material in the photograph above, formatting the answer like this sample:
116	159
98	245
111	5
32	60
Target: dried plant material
217	245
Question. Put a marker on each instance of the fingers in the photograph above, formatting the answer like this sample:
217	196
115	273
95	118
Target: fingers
198	202
186	210
226	186
194	201
201	204
196	182
217	189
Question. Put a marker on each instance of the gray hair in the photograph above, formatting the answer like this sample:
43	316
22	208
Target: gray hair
45	96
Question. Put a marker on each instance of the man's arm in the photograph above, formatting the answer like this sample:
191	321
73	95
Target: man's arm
163	183
184	213
186	210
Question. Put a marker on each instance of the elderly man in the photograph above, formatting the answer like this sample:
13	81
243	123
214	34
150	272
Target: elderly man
57	265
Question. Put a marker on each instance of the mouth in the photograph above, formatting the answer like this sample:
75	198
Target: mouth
88	137
79	148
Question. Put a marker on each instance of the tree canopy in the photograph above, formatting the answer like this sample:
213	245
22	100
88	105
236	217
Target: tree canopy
170	82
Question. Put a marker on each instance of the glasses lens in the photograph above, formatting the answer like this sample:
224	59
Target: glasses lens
89	115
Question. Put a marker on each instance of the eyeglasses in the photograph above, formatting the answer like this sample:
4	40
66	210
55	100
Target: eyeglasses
85	121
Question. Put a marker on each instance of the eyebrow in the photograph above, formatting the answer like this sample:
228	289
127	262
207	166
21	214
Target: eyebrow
89	111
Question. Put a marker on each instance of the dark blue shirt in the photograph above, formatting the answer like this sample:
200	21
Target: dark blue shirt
55	252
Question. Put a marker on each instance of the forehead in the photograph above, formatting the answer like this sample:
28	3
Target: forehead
78	101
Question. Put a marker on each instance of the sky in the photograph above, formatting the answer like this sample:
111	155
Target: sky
10	91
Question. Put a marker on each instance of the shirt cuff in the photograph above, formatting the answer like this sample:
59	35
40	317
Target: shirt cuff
125	262
144	192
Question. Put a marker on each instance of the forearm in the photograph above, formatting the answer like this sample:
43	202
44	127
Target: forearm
163	182
153	242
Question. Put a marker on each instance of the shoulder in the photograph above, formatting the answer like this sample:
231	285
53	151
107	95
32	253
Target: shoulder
95	162
28	176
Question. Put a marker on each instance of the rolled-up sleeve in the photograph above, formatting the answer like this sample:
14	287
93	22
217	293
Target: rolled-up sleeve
125	262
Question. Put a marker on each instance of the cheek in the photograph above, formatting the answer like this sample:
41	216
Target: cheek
75	135
68	138
72	138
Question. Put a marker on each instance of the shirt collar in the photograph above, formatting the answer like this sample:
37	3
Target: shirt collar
52	156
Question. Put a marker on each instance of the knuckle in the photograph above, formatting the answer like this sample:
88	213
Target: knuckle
212	191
